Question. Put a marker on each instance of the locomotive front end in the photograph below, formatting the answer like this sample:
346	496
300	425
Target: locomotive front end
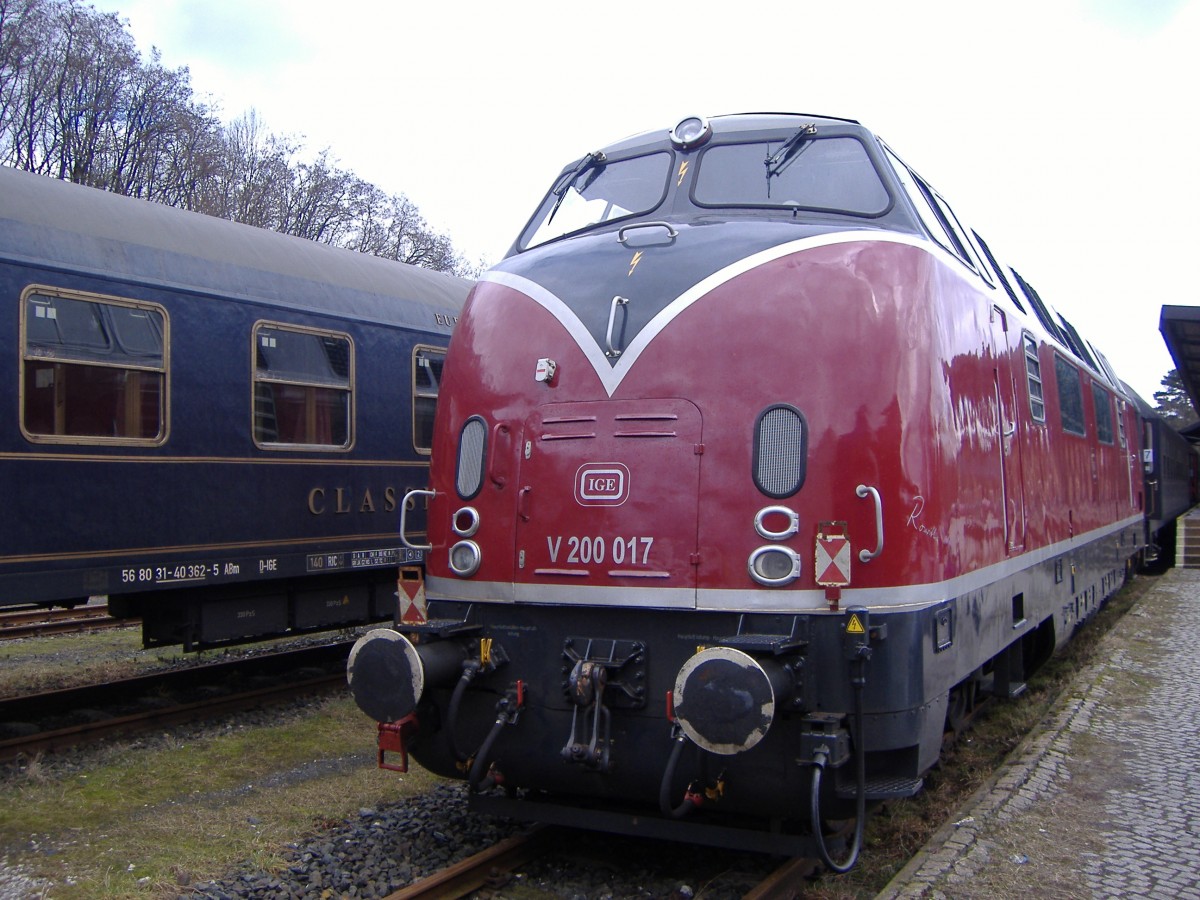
656	597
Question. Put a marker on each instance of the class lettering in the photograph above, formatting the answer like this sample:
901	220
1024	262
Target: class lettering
341	500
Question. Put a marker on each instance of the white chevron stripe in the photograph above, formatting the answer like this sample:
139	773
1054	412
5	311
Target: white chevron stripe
611	376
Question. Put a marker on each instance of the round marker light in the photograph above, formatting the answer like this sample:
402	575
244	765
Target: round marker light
770	516
691	132
774	566
466	522
465	558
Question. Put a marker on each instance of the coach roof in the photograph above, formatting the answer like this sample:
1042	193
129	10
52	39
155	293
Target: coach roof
80	229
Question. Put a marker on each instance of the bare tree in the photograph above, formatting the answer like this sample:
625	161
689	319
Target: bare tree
78	102
21	24
157	128
320	204
253	174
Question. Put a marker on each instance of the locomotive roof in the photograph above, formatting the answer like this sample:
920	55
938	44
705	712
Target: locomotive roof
81	229
742	123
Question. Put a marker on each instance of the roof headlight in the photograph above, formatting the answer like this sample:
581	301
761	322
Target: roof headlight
691	133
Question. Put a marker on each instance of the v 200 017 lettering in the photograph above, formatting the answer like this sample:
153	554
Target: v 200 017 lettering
634	550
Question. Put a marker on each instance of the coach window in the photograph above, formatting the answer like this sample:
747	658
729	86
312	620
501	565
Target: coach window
1102	400
427	376
93	369
1070	396
303	387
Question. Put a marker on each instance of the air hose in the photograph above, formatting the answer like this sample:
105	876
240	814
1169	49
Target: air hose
664	791
859	681
475	781
470	669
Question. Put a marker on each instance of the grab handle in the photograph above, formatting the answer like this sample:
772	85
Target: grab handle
404	515
612	318
864	491
671	232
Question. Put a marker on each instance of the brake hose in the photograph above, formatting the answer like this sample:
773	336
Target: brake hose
860	765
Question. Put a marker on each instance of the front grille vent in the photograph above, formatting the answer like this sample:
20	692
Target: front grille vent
780	450
472	441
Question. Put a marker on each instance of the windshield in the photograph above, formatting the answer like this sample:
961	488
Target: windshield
596	191
828	174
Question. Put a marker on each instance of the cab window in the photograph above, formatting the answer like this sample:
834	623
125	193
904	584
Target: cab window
595	190
832	174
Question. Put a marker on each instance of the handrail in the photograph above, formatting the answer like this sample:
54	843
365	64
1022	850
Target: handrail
864	491
404	515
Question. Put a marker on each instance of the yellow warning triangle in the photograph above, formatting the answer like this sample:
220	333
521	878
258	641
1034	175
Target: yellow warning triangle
855	625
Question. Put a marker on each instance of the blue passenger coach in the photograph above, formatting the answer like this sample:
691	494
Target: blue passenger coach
210	423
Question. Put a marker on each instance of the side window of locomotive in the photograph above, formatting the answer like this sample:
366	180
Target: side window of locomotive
1102	400
962	240
934	224
93	369
823	174
303	388
999	270
1033	375
595	191
1070	396
427	376
1039	308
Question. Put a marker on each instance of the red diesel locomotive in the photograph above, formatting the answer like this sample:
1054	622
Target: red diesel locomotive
753	471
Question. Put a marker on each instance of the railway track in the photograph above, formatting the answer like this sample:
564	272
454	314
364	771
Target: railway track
55	720
39	622
491	868
483	869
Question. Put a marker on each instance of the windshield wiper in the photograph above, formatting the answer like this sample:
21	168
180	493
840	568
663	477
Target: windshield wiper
785	155
595	160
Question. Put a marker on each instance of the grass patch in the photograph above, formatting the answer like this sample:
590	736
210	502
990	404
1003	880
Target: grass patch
50	662
33	665
139	821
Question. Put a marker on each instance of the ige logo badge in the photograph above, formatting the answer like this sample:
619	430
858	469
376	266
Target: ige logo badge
602	484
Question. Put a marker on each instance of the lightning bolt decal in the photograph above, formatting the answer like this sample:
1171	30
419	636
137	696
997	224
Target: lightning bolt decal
637	258
683	166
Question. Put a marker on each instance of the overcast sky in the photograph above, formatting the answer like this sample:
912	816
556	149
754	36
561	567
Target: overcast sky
1064	131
